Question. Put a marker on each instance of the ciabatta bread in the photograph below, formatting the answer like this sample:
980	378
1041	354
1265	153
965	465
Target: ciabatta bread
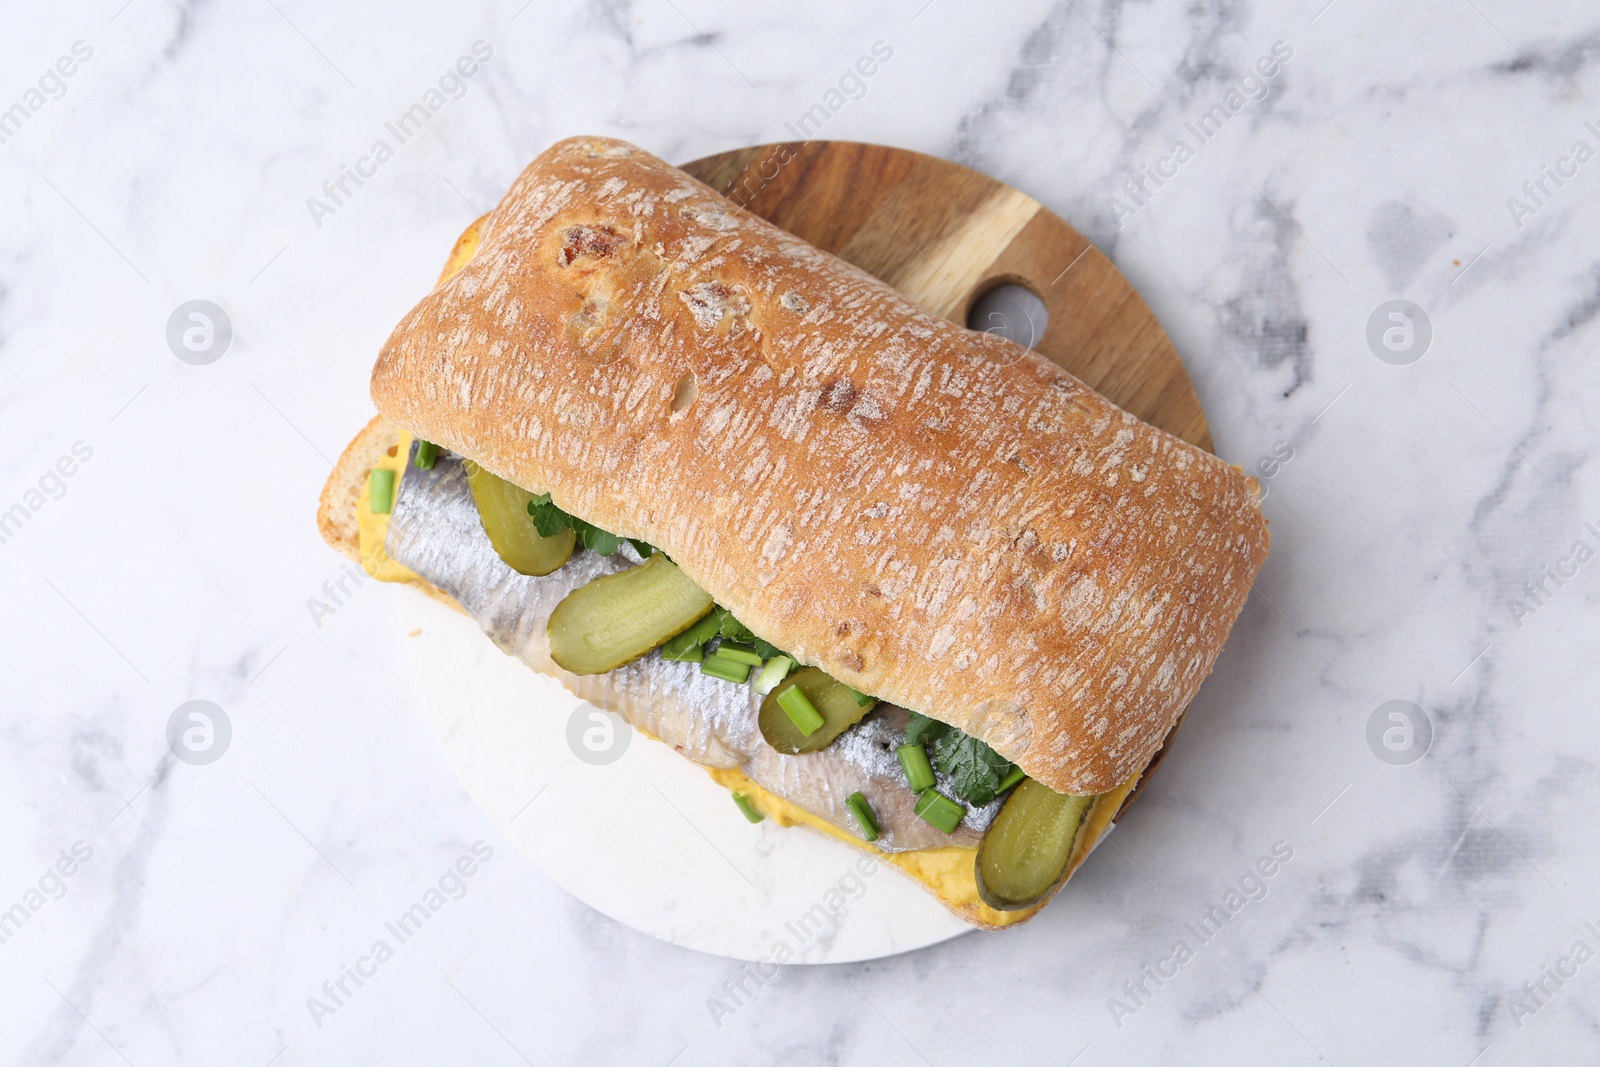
922	511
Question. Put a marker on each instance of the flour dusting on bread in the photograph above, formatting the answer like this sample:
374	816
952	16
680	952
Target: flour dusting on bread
929	514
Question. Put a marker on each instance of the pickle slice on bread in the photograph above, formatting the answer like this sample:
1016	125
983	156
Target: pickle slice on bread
503	510
1025	852
616	619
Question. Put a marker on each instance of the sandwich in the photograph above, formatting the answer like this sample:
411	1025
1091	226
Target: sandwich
896	581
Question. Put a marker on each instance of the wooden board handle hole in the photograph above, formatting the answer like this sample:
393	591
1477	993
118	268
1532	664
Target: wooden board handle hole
1012	311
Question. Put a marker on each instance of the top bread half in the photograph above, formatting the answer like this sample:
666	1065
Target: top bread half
932	515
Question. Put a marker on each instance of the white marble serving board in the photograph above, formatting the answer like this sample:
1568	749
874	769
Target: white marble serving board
649	839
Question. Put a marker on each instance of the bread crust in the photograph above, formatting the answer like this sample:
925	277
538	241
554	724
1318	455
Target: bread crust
337	508
930	514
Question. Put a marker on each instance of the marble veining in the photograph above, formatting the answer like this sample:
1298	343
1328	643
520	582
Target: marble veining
1434	525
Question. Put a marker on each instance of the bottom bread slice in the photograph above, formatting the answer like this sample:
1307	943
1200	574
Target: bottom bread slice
947	872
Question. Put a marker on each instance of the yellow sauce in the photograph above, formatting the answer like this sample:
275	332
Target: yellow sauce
466	247
950	873
374	529
1098	824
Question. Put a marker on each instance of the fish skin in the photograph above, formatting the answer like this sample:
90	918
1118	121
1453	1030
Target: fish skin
434	530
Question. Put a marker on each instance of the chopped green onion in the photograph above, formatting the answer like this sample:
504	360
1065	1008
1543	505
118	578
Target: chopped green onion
914	761
726	669
804	714
776	670
1017	774
739	654
427	452
380	491
692	654
751	812
693	637
863	812
936	808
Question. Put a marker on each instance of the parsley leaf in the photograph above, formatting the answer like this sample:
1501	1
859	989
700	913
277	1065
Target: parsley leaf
731	629
921	728
549	520
977	769
597	540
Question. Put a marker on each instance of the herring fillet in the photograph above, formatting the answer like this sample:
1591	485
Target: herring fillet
435	531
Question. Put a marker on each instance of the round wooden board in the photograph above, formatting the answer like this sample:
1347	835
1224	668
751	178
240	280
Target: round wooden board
944	235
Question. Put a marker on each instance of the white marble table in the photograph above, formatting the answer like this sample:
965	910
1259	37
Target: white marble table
1412	503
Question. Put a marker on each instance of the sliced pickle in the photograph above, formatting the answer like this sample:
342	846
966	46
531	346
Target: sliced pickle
1025	851
600	626
835	700
503	510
